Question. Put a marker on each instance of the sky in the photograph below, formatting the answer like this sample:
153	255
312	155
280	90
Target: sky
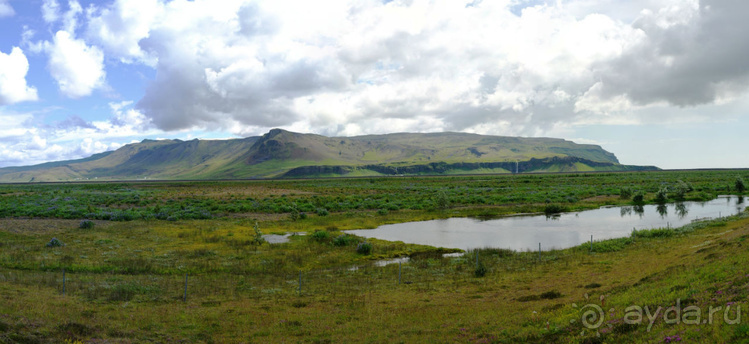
656	82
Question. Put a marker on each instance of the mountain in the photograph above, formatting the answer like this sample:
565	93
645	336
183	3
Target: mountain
281	153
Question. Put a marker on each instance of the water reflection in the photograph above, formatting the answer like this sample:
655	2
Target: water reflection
740	200
564	230
662	210
681	210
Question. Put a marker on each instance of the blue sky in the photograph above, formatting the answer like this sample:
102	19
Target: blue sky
657	82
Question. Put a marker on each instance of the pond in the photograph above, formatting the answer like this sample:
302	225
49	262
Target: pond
565	230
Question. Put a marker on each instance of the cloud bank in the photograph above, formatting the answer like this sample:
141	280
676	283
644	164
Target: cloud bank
503	67
360	67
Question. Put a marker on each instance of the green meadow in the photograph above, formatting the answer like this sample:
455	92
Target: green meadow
166	262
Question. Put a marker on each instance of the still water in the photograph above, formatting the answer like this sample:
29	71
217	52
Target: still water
566	230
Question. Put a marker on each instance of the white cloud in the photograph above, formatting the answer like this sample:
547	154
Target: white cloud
244	66
13	69
119	28
14	125
50	11
78	68
5	9
506	67
26	140
70	18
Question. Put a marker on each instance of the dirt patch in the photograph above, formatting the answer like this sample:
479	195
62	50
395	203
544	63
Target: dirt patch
602	198
36	225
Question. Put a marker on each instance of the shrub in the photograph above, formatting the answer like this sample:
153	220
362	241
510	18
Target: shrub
554	209
653	233
392	207
382	212
86	224
294	215
681	189
322	212
320	236
639	197
481	270
344	240
662	195
625	193
441	201
55	243
739	185
257	238
364	248
610	245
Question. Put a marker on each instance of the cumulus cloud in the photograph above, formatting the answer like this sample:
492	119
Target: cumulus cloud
13	69
510	67
120	27
77	67
5	9
689	54
26	140
50	11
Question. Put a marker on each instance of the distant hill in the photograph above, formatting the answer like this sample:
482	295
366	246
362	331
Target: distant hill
283	154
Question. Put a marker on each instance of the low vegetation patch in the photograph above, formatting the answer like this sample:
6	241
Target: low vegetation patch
191	280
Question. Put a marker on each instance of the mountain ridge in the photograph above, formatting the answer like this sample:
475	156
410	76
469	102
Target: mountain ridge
282	154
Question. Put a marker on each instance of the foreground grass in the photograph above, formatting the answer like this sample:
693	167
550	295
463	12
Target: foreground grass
521	298
125	279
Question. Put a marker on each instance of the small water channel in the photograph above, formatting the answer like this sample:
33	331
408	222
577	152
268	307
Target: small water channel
562	231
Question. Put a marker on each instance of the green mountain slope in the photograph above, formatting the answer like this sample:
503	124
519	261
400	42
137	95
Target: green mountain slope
281	153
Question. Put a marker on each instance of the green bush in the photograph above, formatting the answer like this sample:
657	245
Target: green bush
739	185
322	212
662	195
625	193
382	212
480	270
681	189
257	238
320	236
294	215
344	240
391	207
554	209
639	197
609	245
55	243
364	248
86	224
653	233
441	201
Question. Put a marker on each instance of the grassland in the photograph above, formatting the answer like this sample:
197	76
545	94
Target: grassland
125	275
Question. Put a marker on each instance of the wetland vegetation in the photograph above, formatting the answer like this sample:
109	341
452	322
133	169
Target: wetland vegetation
186	261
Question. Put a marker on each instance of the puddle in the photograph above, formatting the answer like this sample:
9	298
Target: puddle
560	231
279	239
385	262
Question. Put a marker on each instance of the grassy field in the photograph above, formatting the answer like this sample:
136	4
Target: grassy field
180	262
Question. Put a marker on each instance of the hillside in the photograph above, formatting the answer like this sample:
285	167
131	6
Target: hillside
281	153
